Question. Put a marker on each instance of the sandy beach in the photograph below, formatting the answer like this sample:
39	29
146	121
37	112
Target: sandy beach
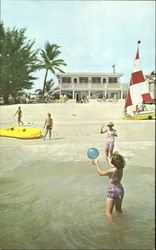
76	128
52	197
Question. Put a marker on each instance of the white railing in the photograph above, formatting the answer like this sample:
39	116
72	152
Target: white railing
96	85
66	85
91	86
114	85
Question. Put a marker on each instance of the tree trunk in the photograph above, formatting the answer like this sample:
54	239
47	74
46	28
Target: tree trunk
45	79
6	100
16	100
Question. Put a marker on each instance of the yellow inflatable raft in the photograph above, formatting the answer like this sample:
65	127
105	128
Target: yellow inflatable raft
21	132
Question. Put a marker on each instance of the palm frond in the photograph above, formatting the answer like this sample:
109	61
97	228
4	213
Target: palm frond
60	70
50	60
59	62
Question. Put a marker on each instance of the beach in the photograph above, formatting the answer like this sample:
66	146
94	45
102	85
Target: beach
77	128
52	195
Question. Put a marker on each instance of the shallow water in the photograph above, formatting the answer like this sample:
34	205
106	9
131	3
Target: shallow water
47	205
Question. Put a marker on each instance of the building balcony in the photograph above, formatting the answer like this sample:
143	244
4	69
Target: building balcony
114	86
66	85
91	86
97	86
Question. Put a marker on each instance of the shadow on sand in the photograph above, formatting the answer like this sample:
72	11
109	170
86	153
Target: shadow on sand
58	138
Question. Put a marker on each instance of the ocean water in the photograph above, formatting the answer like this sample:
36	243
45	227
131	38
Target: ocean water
60	205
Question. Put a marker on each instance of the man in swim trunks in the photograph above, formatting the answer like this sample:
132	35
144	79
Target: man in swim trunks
48	125
19	115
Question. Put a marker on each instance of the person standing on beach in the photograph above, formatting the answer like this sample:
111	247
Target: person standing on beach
115	189
110	139
19	115
48	125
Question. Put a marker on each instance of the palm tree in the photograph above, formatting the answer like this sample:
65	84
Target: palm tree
39	91
49	85
50	61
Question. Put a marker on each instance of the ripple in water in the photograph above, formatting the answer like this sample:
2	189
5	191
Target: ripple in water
61	206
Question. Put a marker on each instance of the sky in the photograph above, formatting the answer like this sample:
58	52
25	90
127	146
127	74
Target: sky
93	35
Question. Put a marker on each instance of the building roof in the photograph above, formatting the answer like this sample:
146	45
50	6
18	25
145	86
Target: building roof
151	77
90	74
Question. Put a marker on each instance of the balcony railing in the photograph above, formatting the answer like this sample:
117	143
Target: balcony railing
96	85
66	85
91	86
114	85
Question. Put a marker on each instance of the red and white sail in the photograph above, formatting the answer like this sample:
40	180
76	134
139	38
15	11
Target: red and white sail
138	91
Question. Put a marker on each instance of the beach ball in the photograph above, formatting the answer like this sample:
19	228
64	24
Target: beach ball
92	153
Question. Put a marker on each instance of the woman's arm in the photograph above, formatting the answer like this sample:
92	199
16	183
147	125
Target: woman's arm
102	172
45	123
109	161
15	113
115	133
101	131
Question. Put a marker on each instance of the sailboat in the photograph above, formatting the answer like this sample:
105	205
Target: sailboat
138	94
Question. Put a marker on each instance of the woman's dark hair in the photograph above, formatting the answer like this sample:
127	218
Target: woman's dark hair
118	160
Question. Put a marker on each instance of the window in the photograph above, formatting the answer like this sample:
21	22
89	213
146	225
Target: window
75	80
83	79
113	79
104	80
66	79
96	79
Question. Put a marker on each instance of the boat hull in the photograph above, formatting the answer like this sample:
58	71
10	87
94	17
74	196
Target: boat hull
141	116
21	132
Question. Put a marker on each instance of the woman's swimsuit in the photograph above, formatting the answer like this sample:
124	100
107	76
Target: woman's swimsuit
115	190
109	144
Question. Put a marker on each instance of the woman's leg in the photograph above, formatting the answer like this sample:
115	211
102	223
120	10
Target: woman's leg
106	152
109	206
45	133
111	147
21	122
18	122
50	134
106	148
109	212
118	204
110	153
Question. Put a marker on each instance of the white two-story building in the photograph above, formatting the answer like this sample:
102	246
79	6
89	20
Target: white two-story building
78	85
151	79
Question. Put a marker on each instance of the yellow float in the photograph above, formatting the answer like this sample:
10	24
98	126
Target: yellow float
21	132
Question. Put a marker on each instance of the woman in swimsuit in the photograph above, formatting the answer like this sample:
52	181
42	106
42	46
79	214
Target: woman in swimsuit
110	139
115	189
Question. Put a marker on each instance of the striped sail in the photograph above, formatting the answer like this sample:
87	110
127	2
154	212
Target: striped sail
138	91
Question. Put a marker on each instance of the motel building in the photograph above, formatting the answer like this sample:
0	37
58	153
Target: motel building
78	85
